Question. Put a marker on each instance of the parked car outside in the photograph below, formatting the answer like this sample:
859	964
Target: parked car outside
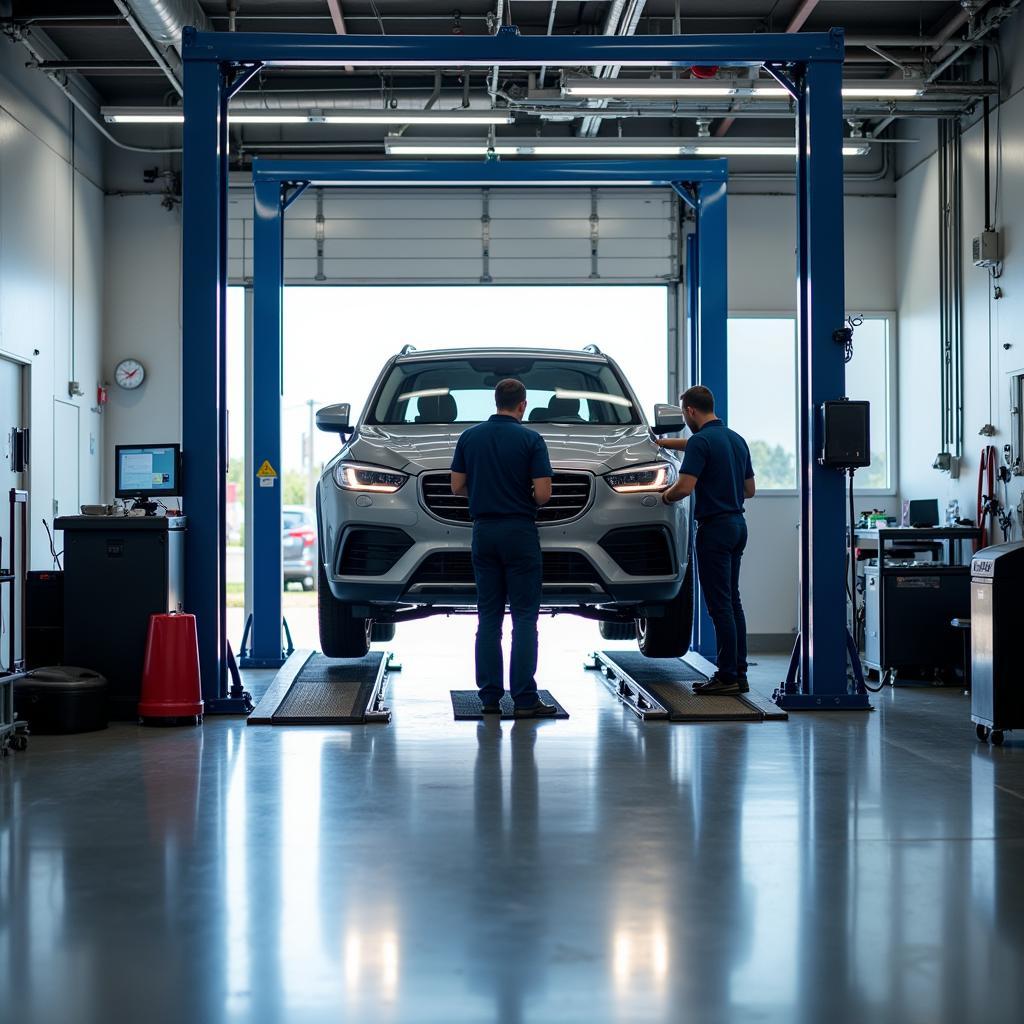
395	543
298	544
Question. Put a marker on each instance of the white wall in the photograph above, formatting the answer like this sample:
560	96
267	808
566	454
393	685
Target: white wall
986	395
142	300
50	290
762	279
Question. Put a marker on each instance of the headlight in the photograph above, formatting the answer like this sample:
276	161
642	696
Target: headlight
353	476
642	478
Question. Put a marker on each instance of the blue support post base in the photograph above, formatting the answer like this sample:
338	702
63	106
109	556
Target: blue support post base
824	702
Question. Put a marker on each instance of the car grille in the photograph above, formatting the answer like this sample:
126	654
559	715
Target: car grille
570	495
455	568
640	552
371	552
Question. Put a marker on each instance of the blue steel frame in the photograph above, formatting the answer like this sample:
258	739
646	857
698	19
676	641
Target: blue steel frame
218	64
276	183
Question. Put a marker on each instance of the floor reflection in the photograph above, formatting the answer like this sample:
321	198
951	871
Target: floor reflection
833	868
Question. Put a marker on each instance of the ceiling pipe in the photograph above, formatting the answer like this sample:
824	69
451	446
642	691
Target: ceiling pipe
165	20
622	20
551	30
800	16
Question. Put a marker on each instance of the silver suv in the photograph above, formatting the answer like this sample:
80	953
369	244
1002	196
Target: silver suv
395	542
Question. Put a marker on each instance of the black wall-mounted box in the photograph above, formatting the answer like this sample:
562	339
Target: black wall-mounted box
845	434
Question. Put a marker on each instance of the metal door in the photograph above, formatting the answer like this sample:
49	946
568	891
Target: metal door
12	419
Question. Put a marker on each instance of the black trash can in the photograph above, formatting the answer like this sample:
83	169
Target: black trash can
61	699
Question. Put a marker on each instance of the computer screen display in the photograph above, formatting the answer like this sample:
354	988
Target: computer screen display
147	471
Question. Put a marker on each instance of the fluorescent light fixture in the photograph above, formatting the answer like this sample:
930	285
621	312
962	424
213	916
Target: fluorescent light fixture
604	147
484	117
171	115
653	89
142	115
701	88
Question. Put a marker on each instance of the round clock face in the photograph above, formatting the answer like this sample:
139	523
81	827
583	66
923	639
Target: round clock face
129	374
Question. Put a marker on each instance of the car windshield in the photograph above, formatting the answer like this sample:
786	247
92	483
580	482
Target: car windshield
293	520
461	390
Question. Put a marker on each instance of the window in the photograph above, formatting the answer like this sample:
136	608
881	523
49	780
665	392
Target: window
762	387
462	391
868	379
762	396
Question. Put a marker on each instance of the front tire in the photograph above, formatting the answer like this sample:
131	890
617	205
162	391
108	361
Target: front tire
669	635
342	634
617	630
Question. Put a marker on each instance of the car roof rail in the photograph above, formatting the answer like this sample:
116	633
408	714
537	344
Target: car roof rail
406	349
593	349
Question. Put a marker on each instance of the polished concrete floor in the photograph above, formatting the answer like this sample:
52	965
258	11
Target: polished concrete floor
845	867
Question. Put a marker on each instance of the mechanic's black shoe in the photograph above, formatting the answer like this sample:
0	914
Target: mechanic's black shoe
490	709
744	686
539	710
716	686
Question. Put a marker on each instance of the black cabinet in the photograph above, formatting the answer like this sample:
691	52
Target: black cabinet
916	584
118	571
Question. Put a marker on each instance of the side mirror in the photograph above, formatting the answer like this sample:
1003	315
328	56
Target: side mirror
668	419
334	419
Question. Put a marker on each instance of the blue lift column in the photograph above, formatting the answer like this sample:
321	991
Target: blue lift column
265	650
822	653
708	312
204	283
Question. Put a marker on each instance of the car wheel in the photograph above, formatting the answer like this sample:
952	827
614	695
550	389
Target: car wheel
668	636
617	630
342	634
382	632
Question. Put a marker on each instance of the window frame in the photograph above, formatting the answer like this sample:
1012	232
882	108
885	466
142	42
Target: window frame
892	450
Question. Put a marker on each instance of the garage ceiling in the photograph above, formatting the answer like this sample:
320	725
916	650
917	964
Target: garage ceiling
91	49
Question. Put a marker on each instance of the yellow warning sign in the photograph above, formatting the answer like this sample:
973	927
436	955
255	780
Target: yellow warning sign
266	470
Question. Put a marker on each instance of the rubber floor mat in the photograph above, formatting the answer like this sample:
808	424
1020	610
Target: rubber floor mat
466	705
668	669
329	692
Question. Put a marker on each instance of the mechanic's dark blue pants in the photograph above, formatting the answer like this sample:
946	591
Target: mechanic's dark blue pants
720	544
507	567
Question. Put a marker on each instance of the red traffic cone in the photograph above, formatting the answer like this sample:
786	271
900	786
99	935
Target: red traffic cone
170	674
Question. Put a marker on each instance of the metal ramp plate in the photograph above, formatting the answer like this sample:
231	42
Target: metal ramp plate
662	688
311	689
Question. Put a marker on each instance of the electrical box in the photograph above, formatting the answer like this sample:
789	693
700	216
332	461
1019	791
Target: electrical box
845	434
986	250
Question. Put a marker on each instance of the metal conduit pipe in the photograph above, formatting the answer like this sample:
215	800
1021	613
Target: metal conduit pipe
171	72
551	29
613	25
164	20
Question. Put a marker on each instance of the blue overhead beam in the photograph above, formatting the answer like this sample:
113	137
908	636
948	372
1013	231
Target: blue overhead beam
511	49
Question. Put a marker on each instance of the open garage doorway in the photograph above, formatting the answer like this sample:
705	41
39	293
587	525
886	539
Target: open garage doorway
336	341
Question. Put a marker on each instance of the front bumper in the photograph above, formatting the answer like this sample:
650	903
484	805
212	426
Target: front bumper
586	574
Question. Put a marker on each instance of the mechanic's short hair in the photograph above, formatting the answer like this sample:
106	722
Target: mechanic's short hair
509	393
698	397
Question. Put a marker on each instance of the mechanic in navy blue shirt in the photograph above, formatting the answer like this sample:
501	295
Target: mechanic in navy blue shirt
716	469
504	468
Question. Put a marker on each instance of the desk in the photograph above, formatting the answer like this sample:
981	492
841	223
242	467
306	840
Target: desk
910	601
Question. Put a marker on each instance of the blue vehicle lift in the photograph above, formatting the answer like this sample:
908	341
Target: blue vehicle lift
218	65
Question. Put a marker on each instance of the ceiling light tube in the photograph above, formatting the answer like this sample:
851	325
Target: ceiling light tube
690	88
603	147
169	115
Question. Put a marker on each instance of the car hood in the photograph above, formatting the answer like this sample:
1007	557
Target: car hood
415	449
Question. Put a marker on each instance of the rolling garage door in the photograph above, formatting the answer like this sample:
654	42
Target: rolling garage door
505	236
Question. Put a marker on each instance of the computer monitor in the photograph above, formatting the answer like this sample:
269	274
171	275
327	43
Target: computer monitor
147	471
